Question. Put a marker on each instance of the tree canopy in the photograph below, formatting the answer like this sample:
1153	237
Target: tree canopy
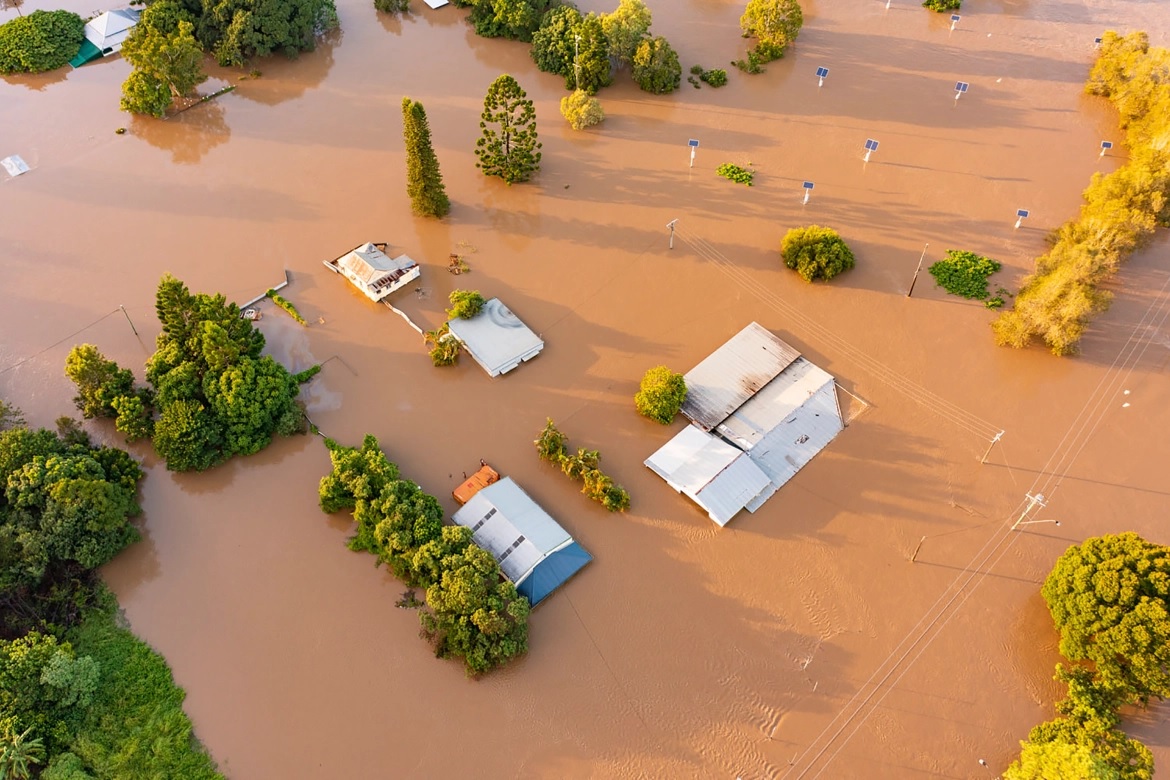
167	60
471	612
774	24
515	19
216	396
508	145
239	30
656	66
1110	600
661	394
424	182
625	28
465	304
43	40
815	252
581	110
1121	210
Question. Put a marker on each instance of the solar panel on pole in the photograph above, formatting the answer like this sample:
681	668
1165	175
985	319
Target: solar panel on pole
954	20
821	73
694	144
808	185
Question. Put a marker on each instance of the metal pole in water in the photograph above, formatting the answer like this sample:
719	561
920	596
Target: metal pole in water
916	271
671	225
123	308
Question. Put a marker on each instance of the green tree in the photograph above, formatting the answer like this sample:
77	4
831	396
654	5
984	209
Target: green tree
582	110
661	394
942	5
167	60
188	437
66	766
625	29
1048	760
508	146
553	44
239	30
1110	599
474	614
465	304
359	474
43	40
515	19
656	66
19	753
774	24
45	687
10	416
443	346
582	51
424	182
1130	759
100	382
815	252
392	6
404	518
550	444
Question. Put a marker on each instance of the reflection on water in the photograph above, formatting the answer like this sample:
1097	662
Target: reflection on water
38	81
285	79
189	135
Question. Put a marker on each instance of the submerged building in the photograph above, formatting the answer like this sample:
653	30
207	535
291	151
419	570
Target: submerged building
496	338
760	413
369	269
533	550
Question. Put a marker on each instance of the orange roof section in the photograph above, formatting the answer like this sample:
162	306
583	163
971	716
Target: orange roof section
475	483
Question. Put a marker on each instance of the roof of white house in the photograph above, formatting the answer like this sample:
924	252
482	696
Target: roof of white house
732	374
714	474
788	422
369	264
111	28
533	550
496	338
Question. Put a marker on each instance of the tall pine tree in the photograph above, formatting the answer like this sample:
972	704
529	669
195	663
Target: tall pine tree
508	147
424	182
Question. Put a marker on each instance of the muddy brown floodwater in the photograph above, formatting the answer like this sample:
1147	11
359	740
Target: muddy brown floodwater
799	641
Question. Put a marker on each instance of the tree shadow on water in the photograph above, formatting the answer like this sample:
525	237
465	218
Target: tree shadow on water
187	136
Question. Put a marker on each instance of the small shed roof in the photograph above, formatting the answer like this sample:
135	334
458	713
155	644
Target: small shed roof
533	550
496	338
732	374
712	473
783	426
111	28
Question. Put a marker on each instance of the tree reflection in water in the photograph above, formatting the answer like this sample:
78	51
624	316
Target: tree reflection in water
189	135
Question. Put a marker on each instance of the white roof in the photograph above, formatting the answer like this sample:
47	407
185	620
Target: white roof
496	338
732	374
512	527
788	422
369	264
714	474
110	29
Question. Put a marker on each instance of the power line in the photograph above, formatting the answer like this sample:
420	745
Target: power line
982	564
22	361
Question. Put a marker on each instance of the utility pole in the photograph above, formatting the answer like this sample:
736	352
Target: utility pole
577	62
1033	501
123	308
916	271
998	436
671	225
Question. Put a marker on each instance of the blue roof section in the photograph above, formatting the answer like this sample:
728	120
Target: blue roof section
553	572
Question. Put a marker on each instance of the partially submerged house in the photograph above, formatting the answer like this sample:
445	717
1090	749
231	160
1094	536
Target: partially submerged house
369	269
496	338
535	553
760	412
105	34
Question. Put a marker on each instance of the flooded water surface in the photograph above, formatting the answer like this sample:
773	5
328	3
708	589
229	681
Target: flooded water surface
796	642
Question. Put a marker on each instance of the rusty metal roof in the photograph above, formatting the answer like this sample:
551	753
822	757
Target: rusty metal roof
732	374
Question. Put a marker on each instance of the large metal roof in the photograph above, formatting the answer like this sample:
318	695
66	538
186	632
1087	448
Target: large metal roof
783	426
711	472
496	338
734	373
522	537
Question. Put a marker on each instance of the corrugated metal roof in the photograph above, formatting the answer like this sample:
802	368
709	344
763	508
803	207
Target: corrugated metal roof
711	472
732	374
788	422
496	338
368	264
512	527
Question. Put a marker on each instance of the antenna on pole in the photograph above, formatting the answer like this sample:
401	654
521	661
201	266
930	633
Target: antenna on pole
998	436
916	271
671	225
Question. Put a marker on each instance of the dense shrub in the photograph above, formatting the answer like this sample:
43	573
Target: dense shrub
964	274
515	19
472	612
661	394
582	110
43	40
443	346
582	466
716	78
1121	210
287	306
239	30
736	174
815	252
392	6
942	5
465	304
656	66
